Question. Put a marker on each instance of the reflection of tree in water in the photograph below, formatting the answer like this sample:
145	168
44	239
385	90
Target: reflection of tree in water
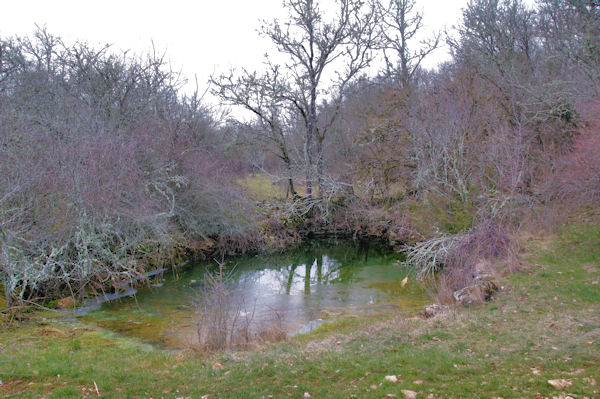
363	249
329	267
310	267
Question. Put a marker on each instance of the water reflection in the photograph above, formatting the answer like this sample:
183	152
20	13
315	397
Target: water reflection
293	279
320	280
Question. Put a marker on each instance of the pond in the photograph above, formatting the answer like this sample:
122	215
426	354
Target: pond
297	290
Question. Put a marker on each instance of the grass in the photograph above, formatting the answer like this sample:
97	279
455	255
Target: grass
261	187
544	325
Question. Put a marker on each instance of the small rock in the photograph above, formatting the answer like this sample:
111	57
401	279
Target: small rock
217	366
409	394
306	395
373	387
404	282
483	287
391	378
589	381
576	372
390	395
560	383
469	295
66	303
432	310
418	382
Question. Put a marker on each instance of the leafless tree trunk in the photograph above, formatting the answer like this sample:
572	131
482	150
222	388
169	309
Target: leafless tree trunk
313	45
399	25
265	97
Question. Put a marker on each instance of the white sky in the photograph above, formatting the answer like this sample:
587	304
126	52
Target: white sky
200	37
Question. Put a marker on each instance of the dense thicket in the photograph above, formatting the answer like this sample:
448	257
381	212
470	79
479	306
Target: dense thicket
456	155
505	127
103	167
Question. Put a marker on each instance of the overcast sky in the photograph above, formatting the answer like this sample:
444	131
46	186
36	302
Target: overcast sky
199	36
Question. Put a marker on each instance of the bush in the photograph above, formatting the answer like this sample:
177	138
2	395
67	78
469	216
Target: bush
223	319
105	169
457	258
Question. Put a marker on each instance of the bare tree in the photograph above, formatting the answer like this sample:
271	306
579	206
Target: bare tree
323	55
312	45
570	30
265	97
400	23
498	36
499	41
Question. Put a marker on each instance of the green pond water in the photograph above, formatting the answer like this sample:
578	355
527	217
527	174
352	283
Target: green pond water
297	290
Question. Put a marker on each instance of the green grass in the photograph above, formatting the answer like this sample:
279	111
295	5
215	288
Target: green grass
544	325
261	187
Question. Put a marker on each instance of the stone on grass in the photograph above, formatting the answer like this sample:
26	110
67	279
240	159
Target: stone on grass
560	383
483	287
217	366
66	303
432	310
408	394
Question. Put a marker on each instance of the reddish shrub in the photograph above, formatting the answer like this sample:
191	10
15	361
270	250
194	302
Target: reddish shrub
577	177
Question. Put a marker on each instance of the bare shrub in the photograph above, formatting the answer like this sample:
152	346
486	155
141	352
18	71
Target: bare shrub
450	263
577	179
223	319
442	289
273	330
428	257
489	240
105	169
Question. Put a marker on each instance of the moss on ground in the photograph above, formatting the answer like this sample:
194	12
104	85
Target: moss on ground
545	325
